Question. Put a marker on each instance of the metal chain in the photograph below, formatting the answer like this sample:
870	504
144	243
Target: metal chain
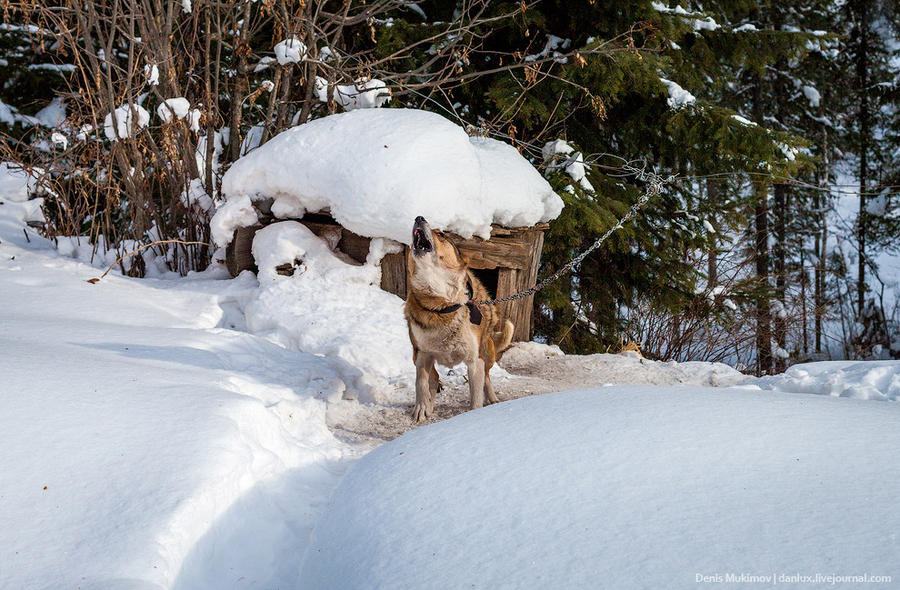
655	184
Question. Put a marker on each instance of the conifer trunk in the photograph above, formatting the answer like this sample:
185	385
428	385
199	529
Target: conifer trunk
763	312
817	273
780	247
820	203
761	255
712	192
780	320
862	83
804	280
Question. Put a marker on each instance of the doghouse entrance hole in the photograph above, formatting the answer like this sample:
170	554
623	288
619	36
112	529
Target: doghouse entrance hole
489	278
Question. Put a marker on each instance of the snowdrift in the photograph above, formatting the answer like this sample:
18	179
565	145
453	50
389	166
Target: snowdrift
377	169
639	487
331	308
875	380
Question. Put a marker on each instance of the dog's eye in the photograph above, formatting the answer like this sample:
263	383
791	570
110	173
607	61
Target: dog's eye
441	234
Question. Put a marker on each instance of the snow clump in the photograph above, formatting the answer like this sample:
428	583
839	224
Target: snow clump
290	50
364	93
573	162
678	96
812	95
59	140
151	72
129	119
178	106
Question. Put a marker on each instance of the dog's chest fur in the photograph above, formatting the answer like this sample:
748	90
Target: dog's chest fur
450	344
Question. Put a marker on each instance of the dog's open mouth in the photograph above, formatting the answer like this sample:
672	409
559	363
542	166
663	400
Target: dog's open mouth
420	241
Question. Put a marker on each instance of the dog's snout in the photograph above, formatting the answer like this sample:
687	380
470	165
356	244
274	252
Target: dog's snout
419	219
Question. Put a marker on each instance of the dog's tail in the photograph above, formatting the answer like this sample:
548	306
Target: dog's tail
502	338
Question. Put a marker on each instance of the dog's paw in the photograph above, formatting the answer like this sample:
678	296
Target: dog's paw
422	412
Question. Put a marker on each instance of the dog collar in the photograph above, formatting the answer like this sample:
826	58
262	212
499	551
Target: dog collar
474	313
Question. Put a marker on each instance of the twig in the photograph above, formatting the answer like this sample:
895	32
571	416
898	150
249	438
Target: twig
145	246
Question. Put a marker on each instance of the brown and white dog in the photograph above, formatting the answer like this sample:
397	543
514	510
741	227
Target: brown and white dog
446	326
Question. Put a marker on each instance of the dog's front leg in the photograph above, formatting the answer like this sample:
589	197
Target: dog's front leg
424	398
475	370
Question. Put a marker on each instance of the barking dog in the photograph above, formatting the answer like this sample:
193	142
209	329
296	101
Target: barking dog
445	324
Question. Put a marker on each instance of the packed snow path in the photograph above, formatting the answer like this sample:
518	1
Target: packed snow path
526	369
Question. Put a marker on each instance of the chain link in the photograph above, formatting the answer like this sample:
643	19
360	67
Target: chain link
655	185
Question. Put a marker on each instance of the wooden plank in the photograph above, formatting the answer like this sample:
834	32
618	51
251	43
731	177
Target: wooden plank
499	252
339	239
393	274
238	255
354	246
330	232
507	248
507	280
527	280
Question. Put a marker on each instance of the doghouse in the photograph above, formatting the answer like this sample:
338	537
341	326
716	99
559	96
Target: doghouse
506	263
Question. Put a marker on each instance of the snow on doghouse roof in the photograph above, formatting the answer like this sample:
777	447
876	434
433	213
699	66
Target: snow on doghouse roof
377	169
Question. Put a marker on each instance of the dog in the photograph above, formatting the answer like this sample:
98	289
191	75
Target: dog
446	324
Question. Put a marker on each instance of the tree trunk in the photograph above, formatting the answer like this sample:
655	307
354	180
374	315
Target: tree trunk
240	85
780	320
712	192
761	255
763	312
862	83
821	239
804	280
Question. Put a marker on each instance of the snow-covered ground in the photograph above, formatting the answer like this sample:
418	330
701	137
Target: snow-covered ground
188	433
144	445
622	487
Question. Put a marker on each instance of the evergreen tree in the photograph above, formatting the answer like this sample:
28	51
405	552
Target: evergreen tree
630	103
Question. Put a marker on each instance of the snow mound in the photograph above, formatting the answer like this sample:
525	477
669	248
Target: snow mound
234	213
377	169
650	485
531	359
16	183
329	307
17	187
875	380
522	353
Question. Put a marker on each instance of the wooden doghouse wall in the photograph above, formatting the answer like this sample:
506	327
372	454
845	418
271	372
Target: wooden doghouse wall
514	254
